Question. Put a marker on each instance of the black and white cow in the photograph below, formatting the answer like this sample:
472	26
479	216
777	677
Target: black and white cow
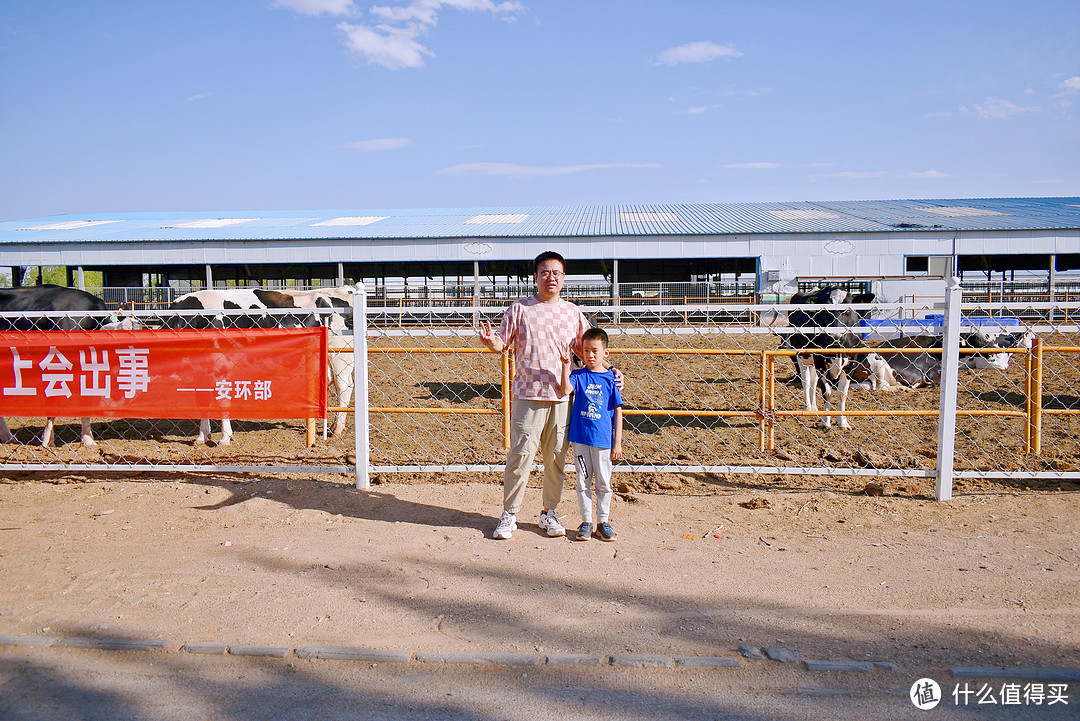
825	328
33	300
920	370
255	299
81	310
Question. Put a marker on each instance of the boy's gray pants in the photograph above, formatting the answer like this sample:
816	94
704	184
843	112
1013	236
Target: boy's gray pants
593	463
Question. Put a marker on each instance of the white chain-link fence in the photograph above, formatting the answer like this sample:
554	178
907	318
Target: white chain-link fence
711	393
710	390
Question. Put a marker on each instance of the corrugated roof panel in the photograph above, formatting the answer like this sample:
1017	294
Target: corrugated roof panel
210	223
595	221
649	217
497	219
351	221
960	211
70	225
802	214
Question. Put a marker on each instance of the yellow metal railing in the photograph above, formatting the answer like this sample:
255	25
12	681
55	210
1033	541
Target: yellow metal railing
767	412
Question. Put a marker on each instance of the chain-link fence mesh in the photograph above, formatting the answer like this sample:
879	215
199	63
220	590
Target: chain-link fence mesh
162	444
713	390
710	390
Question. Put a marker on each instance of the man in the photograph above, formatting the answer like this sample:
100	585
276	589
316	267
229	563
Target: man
540	328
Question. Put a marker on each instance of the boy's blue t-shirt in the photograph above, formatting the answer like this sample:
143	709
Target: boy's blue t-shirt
595	399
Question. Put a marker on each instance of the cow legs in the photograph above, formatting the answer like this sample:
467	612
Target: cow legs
809	376
843	384
5	432
341	379
47	434
87	434
204	432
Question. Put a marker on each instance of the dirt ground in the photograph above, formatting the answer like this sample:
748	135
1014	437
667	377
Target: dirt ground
989	578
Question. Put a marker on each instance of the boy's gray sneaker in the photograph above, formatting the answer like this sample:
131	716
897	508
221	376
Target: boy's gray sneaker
584	531
605	532
507	526
550	523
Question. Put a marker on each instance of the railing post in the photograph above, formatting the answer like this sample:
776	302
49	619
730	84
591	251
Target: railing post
771	408
1029	363
505	358
360	385
950	372
762	398
1036	396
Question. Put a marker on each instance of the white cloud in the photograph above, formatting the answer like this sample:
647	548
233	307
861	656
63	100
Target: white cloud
998	108
699	110
318	7
393	48
394	43
426	12
1070	86
924	174
699	52
991	109
195	98
378	144
852	175
752	166
535	171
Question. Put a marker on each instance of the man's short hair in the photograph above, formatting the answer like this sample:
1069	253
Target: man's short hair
595	334
548	255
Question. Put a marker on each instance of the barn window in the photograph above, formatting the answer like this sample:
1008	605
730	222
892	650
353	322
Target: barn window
916	264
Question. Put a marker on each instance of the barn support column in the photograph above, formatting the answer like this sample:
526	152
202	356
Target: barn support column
950	371
476	292
615	287
209	277
80	280
1050	280
340	274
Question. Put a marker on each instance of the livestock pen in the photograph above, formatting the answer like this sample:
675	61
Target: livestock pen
708	405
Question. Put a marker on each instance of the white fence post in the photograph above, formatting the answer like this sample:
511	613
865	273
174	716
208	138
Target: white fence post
360	388
950	373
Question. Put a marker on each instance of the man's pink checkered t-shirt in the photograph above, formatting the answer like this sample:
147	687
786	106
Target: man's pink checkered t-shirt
538	330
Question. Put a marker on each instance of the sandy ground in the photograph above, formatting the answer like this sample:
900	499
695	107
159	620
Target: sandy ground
984	579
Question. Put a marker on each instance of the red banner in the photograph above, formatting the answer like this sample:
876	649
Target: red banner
257	373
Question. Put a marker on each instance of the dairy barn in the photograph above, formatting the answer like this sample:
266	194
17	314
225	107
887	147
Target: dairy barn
1025	249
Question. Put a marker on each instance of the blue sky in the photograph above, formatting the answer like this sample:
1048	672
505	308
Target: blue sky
124	105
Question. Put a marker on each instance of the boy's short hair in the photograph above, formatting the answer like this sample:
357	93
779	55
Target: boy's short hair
595	334
547	255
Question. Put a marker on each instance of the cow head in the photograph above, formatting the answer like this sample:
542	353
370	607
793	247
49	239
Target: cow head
988	339
828	324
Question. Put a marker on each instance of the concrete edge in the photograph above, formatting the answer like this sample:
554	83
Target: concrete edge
240	649
1059	674
35	641
113	644
348	653
481	658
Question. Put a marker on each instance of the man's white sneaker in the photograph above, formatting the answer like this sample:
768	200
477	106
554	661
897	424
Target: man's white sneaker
550	522
507	526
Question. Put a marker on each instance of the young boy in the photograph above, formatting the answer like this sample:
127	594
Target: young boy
595	430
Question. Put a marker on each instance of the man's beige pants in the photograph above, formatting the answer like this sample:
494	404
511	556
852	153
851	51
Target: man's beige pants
536	424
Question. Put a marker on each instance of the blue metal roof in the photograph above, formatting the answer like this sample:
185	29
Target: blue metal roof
988	214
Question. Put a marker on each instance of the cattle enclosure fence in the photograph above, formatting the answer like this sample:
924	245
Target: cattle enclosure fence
711	392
